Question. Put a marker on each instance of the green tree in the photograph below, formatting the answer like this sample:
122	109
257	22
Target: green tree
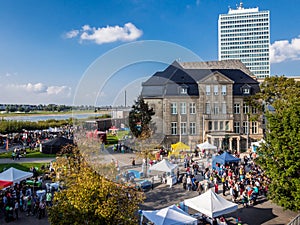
141	127
280	155
89	198
140	119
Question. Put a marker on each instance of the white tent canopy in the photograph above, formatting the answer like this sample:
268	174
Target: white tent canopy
164	166
211	204
207	146
169	216
258	143
14	175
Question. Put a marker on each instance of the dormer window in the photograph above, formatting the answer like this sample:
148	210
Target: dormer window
183	90
246	90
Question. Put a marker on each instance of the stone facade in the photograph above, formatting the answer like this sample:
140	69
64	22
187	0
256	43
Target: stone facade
215	112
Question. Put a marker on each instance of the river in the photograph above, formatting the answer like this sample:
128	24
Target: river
35	118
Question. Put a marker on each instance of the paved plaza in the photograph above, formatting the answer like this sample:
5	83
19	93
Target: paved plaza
264	212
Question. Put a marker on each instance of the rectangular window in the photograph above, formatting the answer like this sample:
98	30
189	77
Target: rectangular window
183	128
254	110
216	89
226	125
209	125
207	108
245	109
254	127
224	111
207	89
236	108
245	127
216	108
192	128
224	90
216	125
221	125
173	108
192	108
236	127
182	108
173	128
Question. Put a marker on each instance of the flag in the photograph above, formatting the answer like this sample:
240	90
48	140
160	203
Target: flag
7	144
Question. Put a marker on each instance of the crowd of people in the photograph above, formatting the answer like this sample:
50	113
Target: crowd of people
23	198
243	181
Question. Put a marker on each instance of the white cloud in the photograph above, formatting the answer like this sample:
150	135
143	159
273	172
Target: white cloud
37	88
86	27
72	34
108	34
40	88
37	93
59	90
284	50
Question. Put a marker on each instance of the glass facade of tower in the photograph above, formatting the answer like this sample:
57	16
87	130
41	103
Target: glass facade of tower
244	34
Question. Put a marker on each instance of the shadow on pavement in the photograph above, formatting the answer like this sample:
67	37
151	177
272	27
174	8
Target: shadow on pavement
252	215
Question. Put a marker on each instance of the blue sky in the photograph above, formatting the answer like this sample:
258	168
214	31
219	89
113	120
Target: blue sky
48	48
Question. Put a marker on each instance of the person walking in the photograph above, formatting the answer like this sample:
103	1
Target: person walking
216	188
42	209
200	188
49	199
29	201
184	181
223	179
189	183
16	209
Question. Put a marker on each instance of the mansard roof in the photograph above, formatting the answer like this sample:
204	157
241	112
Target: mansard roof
169	81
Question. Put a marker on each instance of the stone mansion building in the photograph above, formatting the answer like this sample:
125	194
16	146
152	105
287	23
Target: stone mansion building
204	101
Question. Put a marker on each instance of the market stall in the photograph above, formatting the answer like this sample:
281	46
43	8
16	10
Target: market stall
171	215
224	158
211	204
4	184
14	175
206	146
166	167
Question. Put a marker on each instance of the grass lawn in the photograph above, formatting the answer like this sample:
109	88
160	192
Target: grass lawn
47	113
29	154
21	166
113	139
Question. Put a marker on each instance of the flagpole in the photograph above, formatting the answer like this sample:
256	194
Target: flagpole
203	128
179	127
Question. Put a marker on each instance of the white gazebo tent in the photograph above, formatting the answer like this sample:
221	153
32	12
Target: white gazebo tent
255	145
211	204
207	146
171	215
14	175
164	166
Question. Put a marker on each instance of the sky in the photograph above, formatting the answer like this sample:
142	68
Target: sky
98	52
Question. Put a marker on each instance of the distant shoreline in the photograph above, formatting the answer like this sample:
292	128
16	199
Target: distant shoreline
46	113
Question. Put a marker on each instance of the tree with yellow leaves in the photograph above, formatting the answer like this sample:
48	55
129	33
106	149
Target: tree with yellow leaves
89	198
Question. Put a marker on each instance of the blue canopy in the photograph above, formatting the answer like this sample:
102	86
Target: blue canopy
225	158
